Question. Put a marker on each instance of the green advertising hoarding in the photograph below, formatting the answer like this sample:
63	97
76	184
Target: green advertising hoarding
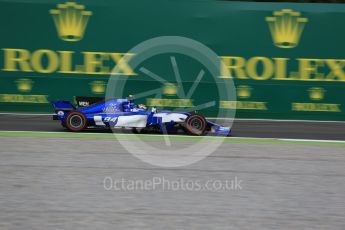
286	60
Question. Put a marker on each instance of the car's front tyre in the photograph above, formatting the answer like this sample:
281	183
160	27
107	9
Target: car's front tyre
195	125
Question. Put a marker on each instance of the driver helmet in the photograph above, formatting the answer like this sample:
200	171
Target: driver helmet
142	106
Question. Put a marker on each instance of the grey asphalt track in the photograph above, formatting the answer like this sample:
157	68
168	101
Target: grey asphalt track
241	128
58	183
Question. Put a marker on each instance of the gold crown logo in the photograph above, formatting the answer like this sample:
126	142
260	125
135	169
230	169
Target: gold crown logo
316	93
286	28
70	20
24	84
243	91
98	87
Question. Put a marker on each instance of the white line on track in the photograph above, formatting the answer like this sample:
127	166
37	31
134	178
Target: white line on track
291	139
211	137
313	140
276	120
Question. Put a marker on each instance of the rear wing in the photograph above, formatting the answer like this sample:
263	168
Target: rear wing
63	105
61	109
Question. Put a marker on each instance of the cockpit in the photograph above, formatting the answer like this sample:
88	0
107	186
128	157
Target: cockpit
130	106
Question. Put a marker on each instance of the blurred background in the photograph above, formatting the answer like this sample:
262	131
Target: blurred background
285	57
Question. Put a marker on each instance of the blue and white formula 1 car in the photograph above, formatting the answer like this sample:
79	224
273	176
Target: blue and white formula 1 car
124	113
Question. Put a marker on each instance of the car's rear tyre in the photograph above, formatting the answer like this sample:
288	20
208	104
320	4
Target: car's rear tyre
75	121
195	125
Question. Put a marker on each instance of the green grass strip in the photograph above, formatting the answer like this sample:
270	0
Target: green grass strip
161	138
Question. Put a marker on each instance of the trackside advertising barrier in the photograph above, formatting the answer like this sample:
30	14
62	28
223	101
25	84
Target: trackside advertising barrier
286	60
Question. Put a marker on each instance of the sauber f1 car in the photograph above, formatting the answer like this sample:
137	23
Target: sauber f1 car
124	113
